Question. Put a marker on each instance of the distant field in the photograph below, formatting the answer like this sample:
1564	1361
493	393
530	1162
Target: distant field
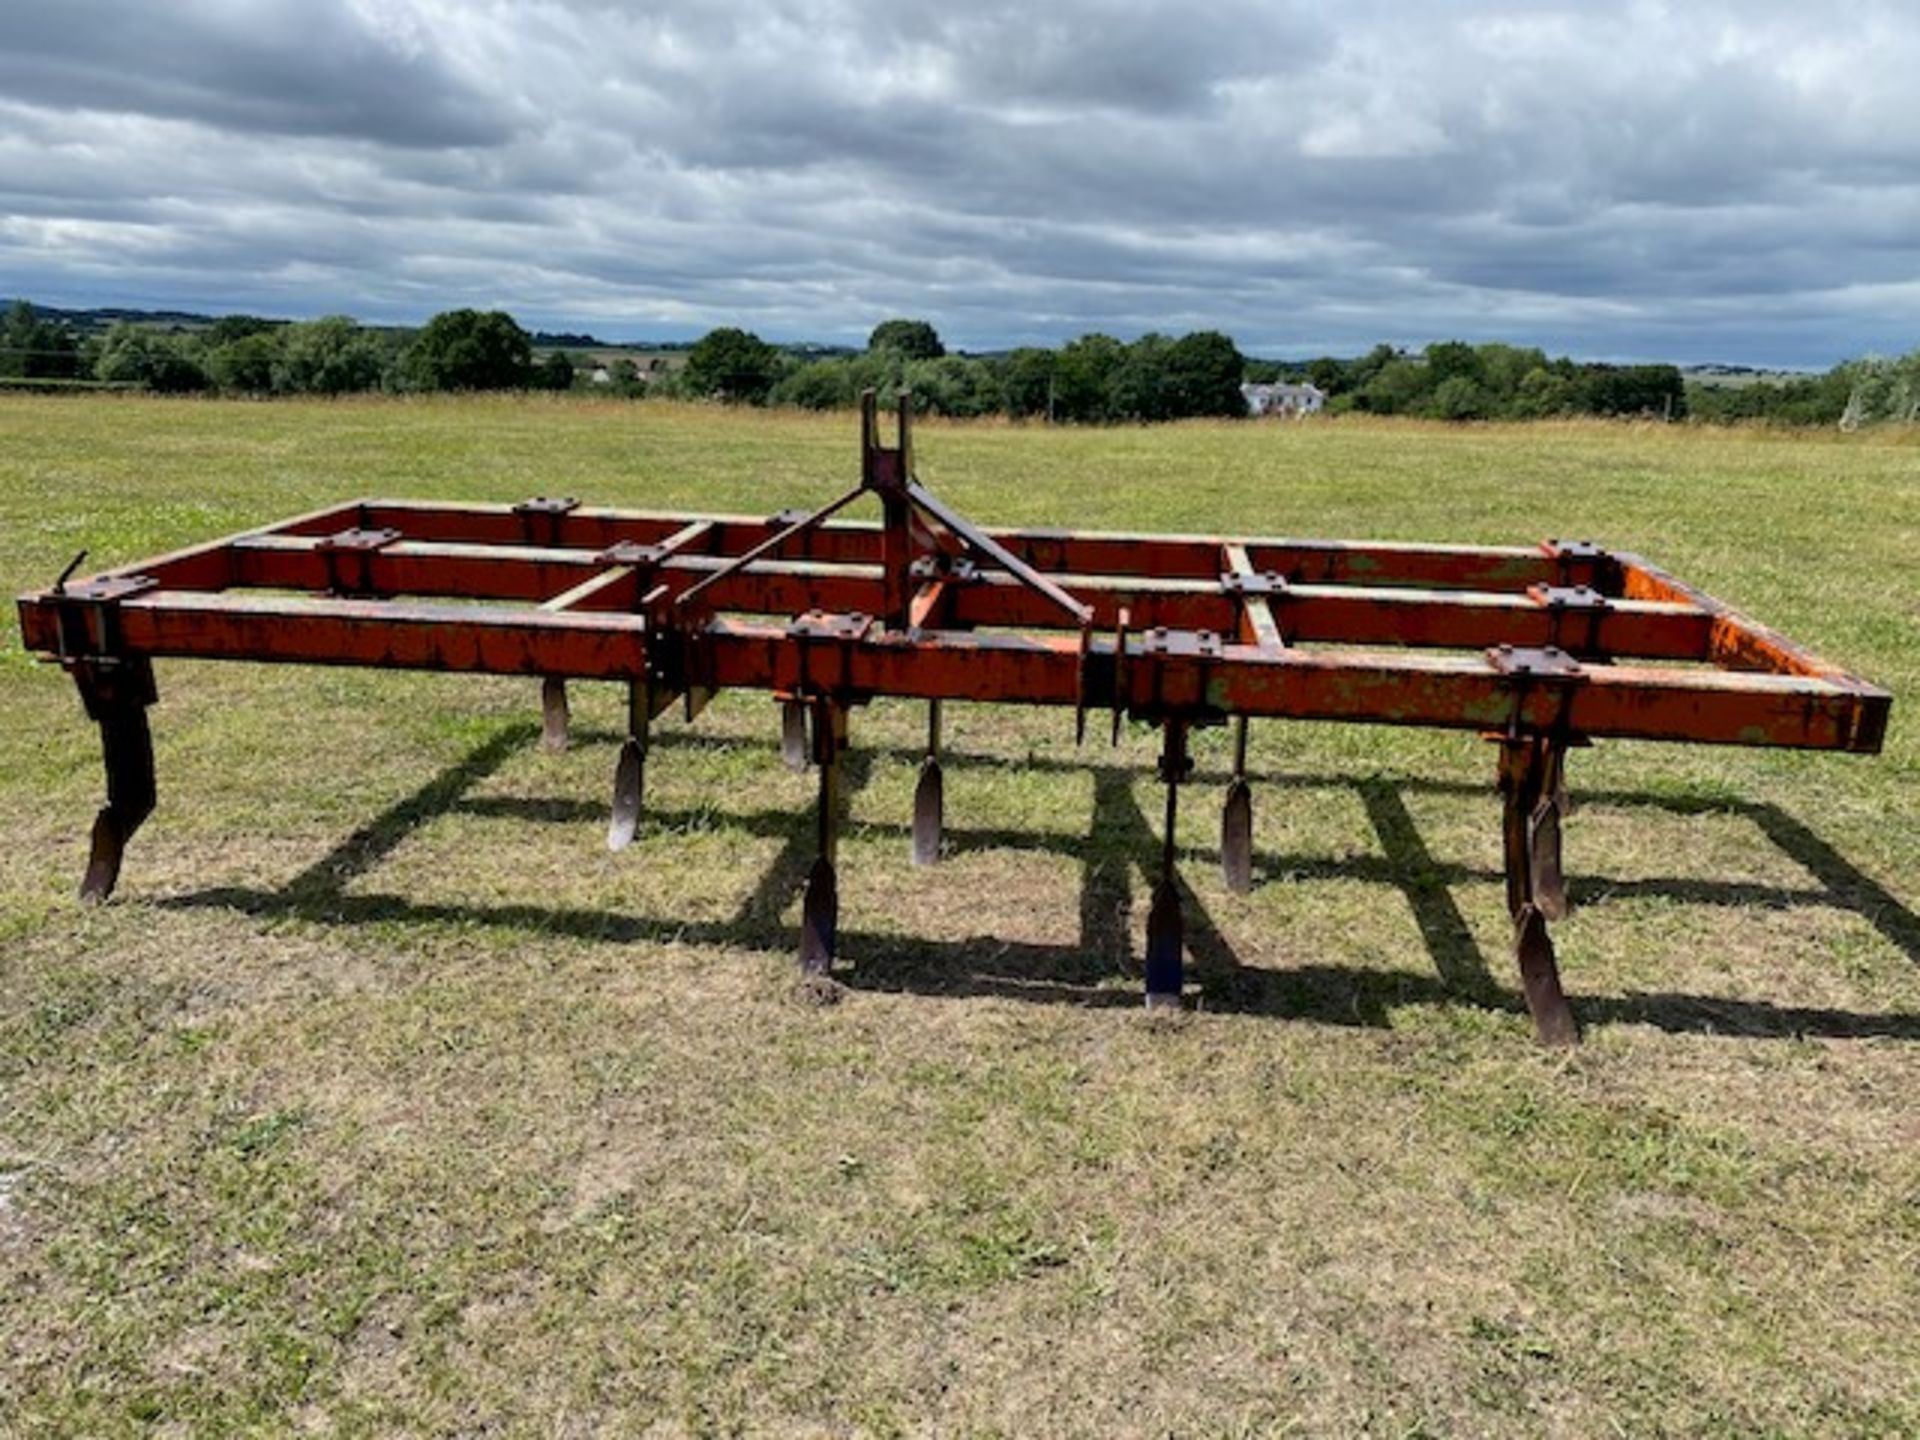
1741	379
647	360
383	1100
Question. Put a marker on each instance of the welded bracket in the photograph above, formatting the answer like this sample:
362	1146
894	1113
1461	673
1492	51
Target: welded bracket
1583	557
1163	642
885	469
677	658
817	635
822	625
1545	667
542	515
1527	662
87	615
349	556
1568	597
1262	584
1575	614
1176	662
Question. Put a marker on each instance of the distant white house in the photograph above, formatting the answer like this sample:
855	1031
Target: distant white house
601	375
1286	401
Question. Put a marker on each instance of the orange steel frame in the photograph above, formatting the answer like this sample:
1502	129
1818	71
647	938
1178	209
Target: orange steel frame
1542	648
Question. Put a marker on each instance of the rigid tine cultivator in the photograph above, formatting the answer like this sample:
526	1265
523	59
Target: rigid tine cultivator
1541	649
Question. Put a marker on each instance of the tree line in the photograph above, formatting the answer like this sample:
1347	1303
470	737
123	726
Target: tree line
1094	379
248	355
1452	380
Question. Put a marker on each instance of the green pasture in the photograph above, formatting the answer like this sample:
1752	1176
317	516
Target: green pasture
382	1100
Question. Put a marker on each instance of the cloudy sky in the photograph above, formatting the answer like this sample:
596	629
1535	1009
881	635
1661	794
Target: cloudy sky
1707	180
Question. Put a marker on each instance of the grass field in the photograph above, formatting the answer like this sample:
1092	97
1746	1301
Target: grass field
382	1100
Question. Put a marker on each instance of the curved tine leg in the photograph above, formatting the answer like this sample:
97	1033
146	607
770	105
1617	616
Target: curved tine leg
1521	765
820	911
105	848
126	745
929	795
554	715
793	735
1549	884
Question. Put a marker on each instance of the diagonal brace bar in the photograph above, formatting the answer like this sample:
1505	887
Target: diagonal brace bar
927	501
771	544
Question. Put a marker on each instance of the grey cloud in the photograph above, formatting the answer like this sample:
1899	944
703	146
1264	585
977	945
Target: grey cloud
1159	61
1713	181
288	67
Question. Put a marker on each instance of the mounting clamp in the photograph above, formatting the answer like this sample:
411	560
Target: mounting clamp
349	556
1544	667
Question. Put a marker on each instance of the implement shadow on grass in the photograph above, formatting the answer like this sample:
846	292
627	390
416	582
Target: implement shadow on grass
1120	841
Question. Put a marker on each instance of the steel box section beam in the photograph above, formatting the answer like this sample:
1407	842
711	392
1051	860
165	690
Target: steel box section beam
1192	557
209	565
1734	641
1714	707
1737	643
1353	615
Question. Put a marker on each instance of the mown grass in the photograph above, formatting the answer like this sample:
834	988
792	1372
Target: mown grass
384	1101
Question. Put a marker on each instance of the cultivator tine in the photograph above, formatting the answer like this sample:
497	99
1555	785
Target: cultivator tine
1166	927
1236	819
929	800
1166	945
793	735
1525	774
553	714
820	910
819	918
929	795
1549	882
1236	838
629	773
118	701
108	844
1549	885
1553	1020
130	794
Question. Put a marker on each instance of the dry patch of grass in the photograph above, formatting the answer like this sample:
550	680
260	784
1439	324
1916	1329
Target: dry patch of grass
385	1101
